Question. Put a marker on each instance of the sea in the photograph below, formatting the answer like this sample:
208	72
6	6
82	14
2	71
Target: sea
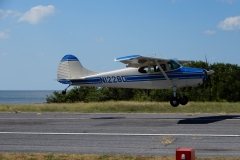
24	96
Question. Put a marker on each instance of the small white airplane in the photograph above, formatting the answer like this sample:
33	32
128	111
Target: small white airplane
141	72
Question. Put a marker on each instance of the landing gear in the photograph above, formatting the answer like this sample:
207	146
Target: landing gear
174	101
183	100
65	90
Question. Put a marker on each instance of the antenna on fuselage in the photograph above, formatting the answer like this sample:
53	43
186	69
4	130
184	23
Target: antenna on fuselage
162	55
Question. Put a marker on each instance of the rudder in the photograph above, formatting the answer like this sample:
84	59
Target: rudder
71	68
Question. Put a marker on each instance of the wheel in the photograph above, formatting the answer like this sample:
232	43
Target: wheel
183	100
64	92
174	101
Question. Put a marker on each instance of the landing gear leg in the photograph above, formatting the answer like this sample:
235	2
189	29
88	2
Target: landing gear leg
65	90
183	99
174	101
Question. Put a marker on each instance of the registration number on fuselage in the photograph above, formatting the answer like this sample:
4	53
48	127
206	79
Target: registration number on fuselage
113	79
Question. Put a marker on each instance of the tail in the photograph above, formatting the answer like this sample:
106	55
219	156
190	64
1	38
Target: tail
71	68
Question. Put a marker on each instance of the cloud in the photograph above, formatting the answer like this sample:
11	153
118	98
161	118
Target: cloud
41	54
231	23
37	13
4	13
7	13
209	32
174	1
70	33
99	39
4	34
228	1
3	54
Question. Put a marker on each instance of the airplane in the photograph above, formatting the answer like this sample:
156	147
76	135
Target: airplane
141	72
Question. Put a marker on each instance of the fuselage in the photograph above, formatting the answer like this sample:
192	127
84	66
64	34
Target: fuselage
133	78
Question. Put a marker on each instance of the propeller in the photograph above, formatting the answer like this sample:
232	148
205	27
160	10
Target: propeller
208	73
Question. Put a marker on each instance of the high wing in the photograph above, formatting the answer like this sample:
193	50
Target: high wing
139	61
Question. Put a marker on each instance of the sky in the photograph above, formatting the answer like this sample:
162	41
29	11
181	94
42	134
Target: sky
36	34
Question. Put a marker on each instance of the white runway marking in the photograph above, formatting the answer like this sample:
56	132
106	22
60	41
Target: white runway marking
120	134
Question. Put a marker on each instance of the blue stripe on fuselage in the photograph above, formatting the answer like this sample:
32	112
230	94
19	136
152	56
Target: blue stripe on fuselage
181	73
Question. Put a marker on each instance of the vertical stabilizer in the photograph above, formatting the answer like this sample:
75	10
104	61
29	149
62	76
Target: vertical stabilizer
71	68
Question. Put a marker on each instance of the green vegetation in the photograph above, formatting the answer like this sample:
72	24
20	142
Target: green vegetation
7	156
125	107
222	86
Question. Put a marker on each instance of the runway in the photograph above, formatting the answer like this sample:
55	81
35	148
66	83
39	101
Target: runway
211	135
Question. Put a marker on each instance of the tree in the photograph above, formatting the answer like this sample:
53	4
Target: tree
223	85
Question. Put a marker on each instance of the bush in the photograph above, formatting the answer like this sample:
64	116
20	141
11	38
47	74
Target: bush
223	85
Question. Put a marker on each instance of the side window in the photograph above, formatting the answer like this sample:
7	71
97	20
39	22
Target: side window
151	69
142	70
147	69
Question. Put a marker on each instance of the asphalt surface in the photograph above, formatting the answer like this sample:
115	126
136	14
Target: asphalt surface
131	134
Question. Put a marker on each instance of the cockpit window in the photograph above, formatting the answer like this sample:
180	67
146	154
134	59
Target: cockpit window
173	65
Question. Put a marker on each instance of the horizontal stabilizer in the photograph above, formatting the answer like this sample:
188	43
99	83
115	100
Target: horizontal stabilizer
210	72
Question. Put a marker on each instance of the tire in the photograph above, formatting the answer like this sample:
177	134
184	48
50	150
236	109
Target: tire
174	101
183	100
64	92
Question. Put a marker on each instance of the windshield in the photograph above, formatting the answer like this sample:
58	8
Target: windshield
173	65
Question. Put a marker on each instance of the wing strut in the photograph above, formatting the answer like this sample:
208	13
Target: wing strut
164	74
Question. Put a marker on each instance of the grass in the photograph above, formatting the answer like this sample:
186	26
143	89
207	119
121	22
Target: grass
49	156
125	107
